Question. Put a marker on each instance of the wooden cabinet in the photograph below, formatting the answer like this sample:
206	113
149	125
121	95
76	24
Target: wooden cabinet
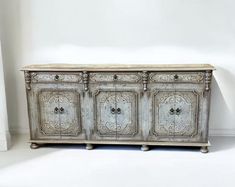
119	104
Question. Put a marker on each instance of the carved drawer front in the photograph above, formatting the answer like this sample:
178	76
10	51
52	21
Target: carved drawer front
175	113
59	113
116	113
174	77
113	76
56	77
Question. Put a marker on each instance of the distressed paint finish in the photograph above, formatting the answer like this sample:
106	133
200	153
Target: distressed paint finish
126	106
188	77
175	113
117	76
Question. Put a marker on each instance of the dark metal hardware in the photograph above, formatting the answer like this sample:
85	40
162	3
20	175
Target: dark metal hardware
176	77
172	111
118	110
178	111
57	77
56	110
61	110
115	77
113	110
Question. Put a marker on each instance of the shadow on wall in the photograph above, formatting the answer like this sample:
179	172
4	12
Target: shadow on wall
222	106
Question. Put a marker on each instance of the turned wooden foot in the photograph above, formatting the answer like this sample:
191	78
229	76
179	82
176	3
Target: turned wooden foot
144	147
89	146
204	149
34	146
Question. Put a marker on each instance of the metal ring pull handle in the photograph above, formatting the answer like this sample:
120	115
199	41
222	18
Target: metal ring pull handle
61	110
118	110
56	77
56	110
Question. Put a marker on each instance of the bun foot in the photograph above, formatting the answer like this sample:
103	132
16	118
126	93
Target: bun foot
144	148
89	146
34	146
204	149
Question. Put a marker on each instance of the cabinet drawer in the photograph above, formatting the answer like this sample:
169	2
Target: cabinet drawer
182	77
56	77
118	77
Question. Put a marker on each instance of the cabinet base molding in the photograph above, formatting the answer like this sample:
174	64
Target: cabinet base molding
144	145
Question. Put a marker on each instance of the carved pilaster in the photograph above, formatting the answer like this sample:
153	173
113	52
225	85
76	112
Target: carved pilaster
85	80
145	80
208	77
27	77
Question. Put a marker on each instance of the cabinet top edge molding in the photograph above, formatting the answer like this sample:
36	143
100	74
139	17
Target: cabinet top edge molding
118	67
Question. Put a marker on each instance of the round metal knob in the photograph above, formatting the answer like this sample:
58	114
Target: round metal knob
61	110
56	110
178	111
172	111
118	110
176	77
57	77
113	110
115	77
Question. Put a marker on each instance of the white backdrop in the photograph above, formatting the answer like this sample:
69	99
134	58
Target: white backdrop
121	31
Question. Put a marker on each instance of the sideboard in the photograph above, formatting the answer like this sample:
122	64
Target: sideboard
144	104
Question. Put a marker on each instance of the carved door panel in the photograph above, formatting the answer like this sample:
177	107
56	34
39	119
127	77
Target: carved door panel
175	114
69	113
59	114
105	114
115	114
126	115
48	109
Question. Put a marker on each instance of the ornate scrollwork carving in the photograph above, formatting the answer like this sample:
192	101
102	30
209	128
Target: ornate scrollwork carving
85	80
145	80
27	77
208	76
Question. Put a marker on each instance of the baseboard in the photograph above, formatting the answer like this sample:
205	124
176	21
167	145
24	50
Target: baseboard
212	132
222	132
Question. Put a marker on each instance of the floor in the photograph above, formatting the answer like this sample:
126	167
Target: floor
117	166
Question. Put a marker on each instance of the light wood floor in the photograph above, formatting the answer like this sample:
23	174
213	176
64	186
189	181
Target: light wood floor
118	166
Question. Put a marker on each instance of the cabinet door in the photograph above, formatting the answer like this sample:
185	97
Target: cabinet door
175	114
105	114
69	112
49	120
115	114
58	114
126	107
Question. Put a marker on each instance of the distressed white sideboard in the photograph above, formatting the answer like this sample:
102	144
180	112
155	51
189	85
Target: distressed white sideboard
119	104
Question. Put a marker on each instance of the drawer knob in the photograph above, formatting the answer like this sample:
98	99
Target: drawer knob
176	77
57	77
113	110
115	77
56	110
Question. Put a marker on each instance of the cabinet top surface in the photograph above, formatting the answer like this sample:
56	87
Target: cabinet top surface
118	67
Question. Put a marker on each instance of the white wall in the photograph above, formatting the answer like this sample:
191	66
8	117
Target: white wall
121	31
